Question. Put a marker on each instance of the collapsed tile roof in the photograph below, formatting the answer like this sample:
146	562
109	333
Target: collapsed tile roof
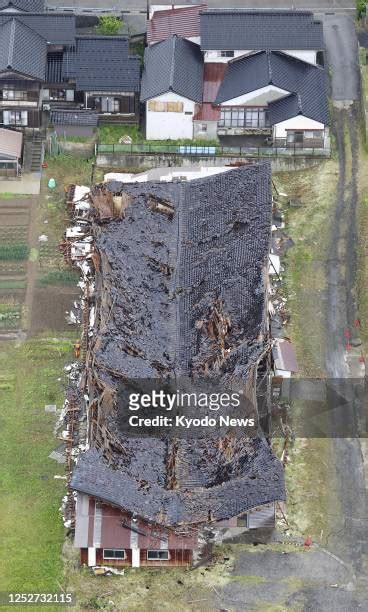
102	63
22	49
306	81
261	483
241	29
183	21
160	279
221	230
173	65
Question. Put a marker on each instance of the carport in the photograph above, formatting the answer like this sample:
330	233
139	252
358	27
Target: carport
10	152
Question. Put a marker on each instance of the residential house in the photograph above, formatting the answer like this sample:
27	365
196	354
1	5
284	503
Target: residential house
22	6
182	278
263	80
172	84
45	66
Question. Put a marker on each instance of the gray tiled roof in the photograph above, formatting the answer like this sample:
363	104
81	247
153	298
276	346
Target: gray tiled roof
55	28
73	117
102	63
258	70
22	49
175	64
253	30
29	6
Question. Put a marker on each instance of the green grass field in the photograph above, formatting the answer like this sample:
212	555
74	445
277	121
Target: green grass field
31	531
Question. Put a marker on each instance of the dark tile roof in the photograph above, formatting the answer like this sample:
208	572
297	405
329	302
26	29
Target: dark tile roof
22	49
261	482
311	101
28	6
55	28
183	22
73	117
307	81
174	64
102	63
253	30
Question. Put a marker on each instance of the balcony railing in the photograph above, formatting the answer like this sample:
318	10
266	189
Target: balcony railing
20	100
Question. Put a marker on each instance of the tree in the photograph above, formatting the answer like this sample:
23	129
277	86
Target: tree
109	25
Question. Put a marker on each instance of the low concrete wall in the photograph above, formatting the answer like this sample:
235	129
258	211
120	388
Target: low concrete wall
144	161
84	149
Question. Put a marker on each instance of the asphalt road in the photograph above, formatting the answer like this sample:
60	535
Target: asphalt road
319	6
342	56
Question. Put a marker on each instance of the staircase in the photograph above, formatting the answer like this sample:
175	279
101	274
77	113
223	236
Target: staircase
33	153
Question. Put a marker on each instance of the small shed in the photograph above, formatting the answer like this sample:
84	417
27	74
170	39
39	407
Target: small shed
11	142
284	358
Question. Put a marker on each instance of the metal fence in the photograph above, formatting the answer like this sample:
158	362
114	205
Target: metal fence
209	151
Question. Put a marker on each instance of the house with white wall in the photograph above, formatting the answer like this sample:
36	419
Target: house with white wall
172	84
230	33
263	80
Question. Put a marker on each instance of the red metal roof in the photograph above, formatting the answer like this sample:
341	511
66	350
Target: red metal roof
181	21
206	112
213	75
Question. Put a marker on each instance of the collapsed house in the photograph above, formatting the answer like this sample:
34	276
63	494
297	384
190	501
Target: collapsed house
179	289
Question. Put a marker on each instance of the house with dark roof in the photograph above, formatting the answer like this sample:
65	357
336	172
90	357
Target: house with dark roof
263	80
45	66
172	85
182	279
22	6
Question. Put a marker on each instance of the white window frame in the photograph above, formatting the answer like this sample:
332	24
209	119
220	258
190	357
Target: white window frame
227	53
116	550
149	552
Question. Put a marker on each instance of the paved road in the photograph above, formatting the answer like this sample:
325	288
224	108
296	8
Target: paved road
349	532
319	6
342	56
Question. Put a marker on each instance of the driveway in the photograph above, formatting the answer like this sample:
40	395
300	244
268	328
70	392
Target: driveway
264	579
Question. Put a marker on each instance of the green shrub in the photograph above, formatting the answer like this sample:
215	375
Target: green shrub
109	25
361	7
